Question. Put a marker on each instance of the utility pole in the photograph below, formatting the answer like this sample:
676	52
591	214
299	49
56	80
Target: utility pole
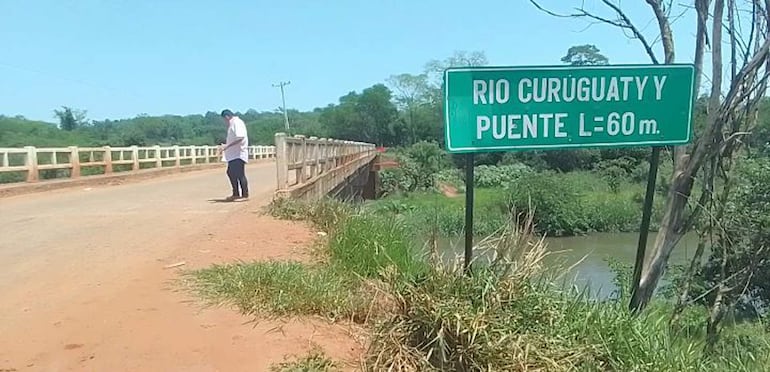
283	100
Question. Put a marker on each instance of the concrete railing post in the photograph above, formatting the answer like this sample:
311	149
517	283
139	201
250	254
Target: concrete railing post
281	161
135	157
177	157
158	158
302	172
313	156
107	160
194	154
31	163
323	158
74	162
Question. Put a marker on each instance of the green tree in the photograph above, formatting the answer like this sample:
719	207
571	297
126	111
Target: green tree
70	119
584	55
419	115
434	69
370	116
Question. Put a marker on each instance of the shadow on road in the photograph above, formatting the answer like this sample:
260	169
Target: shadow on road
225	200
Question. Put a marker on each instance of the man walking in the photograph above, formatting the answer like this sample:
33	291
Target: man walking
236	154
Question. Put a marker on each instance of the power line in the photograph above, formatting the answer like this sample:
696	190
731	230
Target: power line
283	100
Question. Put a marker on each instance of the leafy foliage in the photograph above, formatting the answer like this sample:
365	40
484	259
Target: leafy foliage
419	165
584	55
746	243
70	119
487	176
369	117
555	203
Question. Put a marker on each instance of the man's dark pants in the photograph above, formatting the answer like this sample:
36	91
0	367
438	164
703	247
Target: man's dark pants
237	175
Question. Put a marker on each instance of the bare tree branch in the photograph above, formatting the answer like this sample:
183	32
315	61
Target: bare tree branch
665	29
551	13
623	22
731	30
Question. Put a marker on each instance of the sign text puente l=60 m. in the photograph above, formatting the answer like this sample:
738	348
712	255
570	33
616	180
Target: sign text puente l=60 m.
497	108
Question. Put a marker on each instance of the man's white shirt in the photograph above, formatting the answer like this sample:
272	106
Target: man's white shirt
237	129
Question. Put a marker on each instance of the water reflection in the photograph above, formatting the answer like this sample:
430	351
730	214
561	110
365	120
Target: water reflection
594	250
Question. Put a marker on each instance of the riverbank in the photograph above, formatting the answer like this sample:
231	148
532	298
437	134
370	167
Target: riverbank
559	212
421	314
564	203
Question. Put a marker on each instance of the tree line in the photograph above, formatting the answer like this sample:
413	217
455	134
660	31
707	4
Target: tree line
405	109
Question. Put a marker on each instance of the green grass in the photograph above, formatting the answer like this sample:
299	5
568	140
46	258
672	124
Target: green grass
315	361
325	214
369	244
494	322
425	210
565	204
281	289
362	248
425	316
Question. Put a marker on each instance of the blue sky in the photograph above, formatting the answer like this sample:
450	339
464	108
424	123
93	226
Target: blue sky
120	58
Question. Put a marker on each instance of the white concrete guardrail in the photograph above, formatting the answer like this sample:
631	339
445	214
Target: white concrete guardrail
311	167
81	161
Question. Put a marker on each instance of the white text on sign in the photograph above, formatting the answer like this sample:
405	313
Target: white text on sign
583	89
550	90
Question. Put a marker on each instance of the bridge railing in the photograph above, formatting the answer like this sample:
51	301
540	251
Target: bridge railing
73	162
300	160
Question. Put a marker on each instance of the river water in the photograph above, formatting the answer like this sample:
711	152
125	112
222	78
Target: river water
587	255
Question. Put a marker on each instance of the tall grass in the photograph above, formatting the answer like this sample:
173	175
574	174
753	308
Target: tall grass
368	244
508	315
326	214
361	248
281	289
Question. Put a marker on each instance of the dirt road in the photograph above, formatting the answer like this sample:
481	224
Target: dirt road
83	285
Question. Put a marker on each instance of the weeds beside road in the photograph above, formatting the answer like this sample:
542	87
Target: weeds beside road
423	315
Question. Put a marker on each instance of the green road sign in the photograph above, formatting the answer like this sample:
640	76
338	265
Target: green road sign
558	107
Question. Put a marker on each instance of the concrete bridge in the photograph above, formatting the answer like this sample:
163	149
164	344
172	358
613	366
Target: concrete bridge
86	259
306	168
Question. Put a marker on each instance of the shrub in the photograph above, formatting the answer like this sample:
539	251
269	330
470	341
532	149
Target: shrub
428	156
452	177
396	180
418	166
743	242
487	176
532	159
571	160
604	212
555	203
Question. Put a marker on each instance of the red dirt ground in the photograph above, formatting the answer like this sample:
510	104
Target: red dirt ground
84	284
